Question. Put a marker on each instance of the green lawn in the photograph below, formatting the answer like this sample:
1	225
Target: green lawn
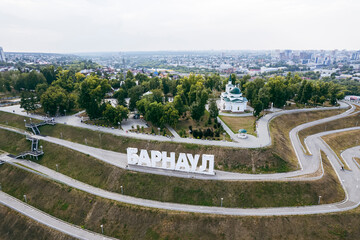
236	123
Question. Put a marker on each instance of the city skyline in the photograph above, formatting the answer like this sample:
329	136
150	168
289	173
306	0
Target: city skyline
112	26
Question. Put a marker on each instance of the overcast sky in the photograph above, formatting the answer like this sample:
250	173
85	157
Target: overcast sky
66	26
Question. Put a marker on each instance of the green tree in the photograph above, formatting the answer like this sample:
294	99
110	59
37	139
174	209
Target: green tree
179	104
115	115
92	92
141	78
197	110
142	105
154	112
49	73
56	99
40	89
120	96
264	97
257	105
157	95
65	79
277	89
213	109
129	75
135	93
170	115
28	101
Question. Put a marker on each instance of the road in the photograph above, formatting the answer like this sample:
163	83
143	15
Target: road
308	164
348	179
50	221
263	139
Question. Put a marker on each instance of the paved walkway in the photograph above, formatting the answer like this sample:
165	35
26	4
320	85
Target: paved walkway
308	164
314	143
262	140
50	221
348	179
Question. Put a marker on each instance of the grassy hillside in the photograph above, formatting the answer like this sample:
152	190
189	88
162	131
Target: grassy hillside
280	157
16	226
189	191
347	122
129	222
342	141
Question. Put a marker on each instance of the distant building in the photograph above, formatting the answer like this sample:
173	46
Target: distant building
232	99
2	55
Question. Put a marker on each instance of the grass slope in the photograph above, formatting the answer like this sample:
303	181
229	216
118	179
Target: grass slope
347	122
236	123
129	222
279	157
189	191
16	226
342	141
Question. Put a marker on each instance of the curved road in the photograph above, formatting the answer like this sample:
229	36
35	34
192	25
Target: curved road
263	139
50	221
348	179
309	164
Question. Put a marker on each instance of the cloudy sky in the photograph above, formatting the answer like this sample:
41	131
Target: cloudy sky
66	26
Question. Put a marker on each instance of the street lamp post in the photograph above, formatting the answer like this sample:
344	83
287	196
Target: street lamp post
65	112
102	229
319	199
221	203
122	189
25	198
57	167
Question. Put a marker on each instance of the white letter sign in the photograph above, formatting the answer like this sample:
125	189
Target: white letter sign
185	162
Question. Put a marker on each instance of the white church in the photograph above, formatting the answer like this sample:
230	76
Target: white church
232	99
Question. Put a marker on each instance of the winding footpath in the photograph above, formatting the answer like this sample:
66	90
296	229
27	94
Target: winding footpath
349	180
309	164
50	221
262	140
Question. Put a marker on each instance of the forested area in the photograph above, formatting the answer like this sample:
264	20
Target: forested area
160	100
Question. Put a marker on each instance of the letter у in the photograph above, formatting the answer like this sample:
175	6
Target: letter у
155	158
193	161
144	158
182	163
132	157
170	160
207	158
